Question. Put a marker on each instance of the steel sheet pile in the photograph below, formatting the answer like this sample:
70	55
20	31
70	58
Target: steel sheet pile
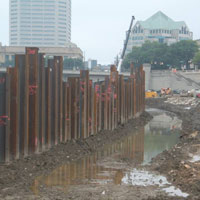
39	110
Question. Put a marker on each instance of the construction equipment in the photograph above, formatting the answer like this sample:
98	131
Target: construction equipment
166	91
125	46
151	94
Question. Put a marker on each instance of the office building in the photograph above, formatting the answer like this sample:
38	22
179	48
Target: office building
159	28
41	23
92	64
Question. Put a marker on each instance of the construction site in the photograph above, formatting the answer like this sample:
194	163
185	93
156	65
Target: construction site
93	107
84	139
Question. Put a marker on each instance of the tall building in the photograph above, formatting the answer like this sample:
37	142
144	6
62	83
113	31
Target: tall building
40	23
158	28
92	63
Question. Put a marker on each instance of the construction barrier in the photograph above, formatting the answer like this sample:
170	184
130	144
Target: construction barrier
39	110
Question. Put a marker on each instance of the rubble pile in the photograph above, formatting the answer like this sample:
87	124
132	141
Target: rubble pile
185	101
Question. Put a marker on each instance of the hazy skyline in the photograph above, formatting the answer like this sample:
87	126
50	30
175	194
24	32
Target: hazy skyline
98	27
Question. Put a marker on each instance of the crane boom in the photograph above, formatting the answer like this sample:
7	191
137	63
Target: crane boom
125	45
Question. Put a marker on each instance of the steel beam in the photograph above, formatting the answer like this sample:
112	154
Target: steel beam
4	117
32	64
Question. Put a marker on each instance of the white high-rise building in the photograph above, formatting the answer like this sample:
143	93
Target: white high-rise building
40	23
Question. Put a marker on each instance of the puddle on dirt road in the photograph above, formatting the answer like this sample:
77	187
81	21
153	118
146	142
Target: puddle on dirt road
172	191
161	133
194	158
110	164
144	178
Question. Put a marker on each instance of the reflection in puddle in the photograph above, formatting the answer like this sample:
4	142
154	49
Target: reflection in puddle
163	122
144	178
88	170
108	166
160	134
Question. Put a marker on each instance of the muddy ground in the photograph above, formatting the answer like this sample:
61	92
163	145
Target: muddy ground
175	163
17	177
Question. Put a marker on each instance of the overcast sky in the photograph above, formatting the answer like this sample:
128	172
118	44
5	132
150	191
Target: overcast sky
98	26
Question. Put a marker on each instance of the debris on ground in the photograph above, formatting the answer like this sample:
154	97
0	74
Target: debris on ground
185	101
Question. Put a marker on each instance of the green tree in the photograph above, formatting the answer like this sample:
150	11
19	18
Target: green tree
196	59
134	56
73	63
158	55
162	56
151	52
183	52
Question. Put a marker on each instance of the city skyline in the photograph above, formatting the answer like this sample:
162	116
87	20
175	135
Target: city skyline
98	28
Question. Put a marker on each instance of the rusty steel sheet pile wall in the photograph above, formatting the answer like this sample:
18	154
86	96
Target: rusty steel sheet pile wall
39	110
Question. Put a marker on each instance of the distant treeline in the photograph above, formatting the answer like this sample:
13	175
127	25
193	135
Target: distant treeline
73	63
162	56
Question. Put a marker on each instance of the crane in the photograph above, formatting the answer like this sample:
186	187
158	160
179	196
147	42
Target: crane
125	46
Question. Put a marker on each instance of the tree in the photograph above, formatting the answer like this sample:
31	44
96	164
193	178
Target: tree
134	56
161	56
73	63
183	52
196	59
151	52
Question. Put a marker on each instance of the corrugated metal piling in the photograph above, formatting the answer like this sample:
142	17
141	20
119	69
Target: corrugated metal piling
4	117
39	110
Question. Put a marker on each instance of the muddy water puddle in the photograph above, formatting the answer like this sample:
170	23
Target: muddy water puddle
112	165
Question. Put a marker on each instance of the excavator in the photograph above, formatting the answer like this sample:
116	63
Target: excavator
125	46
